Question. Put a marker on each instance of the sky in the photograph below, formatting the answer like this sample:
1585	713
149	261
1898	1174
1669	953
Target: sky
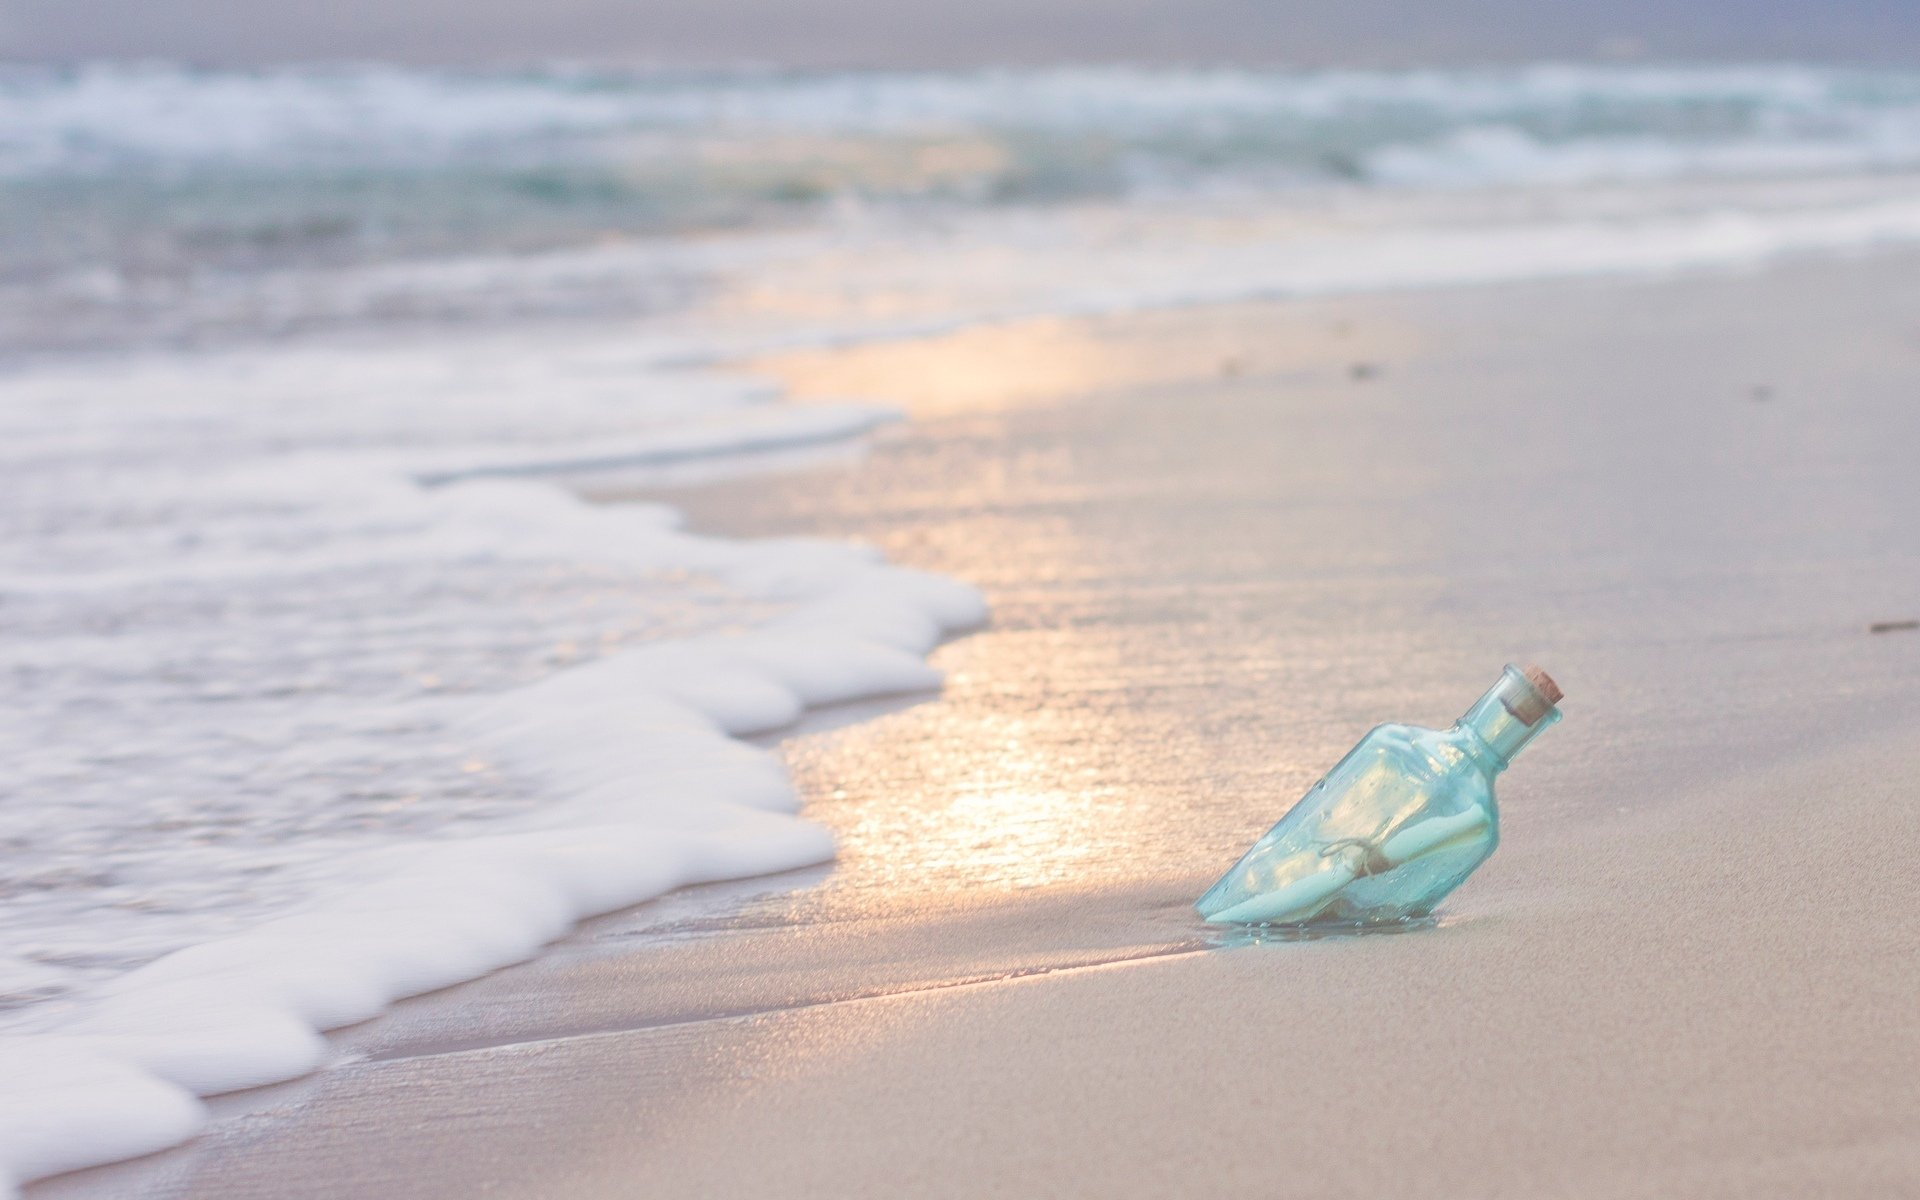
941	33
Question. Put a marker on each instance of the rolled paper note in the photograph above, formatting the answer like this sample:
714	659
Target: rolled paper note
1303	899
1428	836
1297	901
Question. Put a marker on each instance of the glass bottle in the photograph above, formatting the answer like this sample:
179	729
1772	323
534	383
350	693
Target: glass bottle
1398	823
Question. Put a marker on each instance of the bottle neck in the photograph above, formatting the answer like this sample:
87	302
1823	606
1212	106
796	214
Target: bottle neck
1499	721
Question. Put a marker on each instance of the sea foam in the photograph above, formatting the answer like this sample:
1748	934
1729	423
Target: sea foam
335	705
651	792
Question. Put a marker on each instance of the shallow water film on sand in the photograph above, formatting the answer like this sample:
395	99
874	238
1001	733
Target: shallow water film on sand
323	675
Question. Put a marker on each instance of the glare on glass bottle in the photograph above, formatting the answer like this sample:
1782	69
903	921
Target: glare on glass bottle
1398	823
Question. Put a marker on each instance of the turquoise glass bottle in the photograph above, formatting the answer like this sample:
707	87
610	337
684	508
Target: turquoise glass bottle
1397	824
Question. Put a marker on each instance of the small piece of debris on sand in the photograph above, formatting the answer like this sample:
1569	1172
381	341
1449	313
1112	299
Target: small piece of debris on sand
1364	370
1892	626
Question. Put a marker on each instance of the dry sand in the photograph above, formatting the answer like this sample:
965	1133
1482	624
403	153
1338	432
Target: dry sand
1217	553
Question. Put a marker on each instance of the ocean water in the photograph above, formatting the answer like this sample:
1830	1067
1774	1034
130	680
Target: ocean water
325	687
157	204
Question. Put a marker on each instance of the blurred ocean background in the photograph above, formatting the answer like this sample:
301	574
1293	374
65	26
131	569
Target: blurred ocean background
150	203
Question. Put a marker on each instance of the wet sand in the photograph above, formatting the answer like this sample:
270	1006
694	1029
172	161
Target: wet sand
1221	543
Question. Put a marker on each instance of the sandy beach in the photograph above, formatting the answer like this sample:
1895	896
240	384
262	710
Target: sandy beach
1219	544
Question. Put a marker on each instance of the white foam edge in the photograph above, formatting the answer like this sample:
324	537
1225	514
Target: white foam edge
652	790
756	431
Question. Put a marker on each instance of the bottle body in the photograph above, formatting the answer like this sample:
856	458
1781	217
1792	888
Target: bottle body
1395	826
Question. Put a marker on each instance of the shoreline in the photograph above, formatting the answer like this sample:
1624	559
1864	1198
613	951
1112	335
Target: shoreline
1191	661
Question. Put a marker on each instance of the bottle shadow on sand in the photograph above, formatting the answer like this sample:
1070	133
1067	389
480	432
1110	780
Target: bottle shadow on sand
1234	937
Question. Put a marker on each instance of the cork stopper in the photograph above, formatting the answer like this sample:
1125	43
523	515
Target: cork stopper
1529	695
1543	683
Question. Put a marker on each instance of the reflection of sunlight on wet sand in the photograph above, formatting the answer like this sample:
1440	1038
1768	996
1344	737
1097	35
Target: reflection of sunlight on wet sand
983	791
1198	605
997	367
1147	502
1002	839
